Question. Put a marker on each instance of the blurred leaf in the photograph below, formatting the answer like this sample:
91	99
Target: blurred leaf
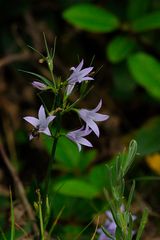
86	158
137	8
124	83
120	48
153	161
92	18
76	188
148	137
148	22
146	71
67	153
98	176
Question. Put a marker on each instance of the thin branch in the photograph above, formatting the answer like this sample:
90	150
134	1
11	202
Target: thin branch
14	58
20	188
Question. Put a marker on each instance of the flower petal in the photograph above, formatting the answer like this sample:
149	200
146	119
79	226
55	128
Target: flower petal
85	142
39	85
98	106
93	126
46	131
79	67
42	115
32	120
70	88
98	117
50	119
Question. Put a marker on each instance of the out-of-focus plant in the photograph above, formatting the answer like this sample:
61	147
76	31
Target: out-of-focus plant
119	224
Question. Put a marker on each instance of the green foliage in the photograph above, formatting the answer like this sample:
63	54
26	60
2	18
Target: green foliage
142	224
147	22
92	18
76	188
148	137
146	71
120	48
137	8
68	156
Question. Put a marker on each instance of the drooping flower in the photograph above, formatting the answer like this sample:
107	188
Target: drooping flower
77	137
91	116
40	124
78	75
39	85
110	225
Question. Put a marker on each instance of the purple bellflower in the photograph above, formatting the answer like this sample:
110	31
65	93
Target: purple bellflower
77	137
91	116
40	124
110	225
78	75
39	85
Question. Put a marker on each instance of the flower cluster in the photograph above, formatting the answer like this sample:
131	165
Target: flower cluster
90	117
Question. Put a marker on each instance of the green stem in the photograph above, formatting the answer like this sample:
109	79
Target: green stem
48	176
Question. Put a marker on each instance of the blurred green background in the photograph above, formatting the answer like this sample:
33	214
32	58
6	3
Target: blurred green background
121	39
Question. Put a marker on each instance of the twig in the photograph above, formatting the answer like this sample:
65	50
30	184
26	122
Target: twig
20	188
14	58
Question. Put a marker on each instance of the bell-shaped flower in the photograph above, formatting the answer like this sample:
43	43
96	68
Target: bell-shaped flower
39	85
110	225
40	124
77	137
78	75
91	116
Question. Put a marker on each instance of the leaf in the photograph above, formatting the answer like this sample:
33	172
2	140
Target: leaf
153	161
76	188
98	176
120	48
146	71
91	18
148	22
137	8
148	137
42	78
124	84
142	224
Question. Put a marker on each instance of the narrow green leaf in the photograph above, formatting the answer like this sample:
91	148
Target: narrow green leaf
42	78
12	217
146	71
91	18
120	48
130	196
148	22
142	224
3	234
76	188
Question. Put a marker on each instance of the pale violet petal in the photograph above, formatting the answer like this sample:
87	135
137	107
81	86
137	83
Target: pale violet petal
70	88
32	120
79	146
87	78
31	137
85	142
98	107
98	117
46	131
50	119
39	85
86	71
79	67
42	115
93	126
